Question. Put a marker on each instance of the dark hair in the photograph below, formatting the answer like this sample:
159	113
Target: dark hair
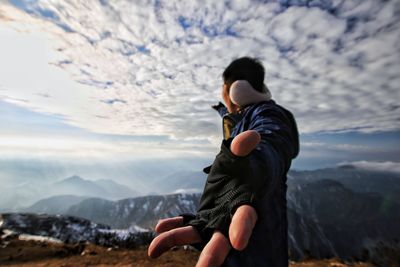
245	68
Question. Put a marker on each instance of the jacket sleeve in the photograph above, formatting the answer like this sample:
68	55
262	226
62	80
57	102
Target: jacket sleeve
271	158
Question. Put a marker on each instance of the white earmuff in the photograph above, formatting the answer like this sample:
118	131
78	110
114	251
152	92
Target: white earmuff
242	93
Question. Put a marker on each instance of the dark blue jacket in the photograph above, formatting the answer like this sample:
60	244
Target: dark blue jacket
268	245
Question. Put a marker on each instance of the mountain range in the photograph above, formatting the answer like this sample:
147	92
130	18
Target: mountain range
385	183
142	211
99	188
345	212
23	196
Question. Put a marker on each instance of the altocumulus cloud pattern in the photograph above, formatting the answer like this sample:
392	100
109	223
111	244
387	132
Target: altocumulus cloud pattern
153	67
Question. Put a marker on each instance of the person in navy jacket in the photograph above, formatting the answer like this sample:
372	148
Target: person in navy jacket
242	218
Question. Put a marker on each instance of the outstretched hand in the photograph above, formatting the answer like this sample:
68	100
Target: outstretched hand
172	231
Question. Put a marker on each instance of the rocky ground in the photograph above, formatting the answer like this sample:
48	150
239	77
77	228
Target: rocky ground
18	252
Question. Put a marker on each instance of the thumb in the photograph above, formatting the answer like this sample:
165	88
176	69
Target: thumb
245	142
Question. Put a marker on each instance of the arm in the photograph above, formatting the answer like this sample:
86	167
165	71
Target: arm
272	157
277	141
174	232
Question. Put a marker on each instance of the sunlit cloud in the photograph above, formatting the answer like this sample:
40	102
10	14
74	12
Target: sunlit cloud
64	147
136	79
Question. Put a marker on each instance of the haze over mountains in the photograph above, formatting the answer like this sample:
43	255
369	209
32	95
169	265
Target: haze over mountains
25	194
27	182
135	173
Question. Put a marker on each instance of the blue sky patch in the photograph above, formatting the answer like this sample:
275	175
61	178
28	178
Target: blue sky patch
113	101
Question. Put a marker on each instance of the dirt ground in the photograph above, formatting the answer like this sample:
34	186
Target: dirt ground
33	253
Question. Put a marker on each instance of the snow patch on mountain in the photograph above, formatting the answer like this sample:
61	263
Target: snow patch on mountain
69	229
46	239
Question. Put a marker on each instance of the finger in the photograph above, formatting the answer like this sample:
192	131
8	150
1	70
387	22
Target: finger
215	252
176	237
169	224
241	228
245	142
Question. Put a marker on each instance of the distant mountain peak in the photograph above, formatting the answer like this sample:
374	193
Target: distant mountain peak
108	181
347	166
74	178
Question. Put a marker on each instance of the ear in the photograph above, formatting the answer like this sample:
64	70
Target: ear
227	87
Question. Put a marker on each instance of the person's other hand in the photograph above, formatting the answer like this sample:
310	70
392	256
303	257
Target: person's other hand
172	231
218	106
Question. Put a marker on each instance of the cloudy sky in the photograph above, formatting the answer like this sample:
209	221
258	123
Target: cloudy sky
134	80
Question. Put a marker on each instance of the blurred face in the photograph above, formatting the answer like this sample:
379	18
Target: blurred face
225	96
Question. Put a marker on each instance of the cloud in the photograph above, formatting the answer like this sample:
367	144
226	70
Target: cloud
153	67
387	166
186	191
354	148
96	148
